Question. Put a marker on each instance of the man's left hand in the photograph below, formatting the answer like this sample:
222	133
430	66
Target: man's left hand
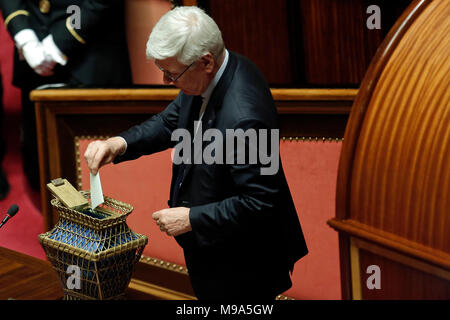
173	221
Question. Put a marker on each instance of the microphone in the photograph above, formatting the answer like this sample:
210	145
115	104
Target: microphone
11	213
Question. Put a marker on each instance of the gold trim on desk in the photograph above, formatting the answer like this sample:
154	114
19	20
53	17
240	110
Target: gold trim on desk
311	139
164	264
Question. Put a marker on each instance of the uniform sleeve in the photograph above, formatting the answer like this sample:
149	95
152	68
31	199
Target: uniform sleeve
15	15
153	135
92	13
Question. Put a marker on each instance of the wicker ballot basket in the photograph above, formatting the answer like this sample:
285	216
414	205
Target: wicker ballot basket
93	251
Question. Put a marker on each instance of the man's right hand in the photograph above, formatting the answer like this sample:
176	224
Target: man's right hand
102	152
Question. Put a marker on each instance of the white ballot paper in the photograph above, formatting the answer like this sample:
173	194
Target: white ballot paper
96	191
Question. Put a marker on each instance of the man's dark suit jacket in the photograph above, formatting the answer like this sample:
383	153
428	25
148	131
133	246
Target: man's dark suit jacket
245	235
97	52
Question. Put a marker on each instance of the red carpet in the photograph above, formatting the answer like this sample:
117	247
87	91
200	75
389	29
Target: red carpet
21	232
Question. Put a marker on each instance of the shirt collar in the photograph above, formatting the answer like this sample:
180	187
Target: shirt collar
207	94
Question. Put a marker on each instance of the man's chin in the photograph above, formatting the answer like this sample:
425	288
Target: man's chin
187	92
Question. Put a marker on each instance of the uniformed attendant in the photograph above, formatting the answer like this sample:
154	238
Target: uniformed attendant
4	185
53	48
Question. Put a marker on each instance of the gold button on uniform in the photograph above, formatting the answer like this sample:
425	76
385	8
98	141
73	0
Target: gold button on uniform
44	6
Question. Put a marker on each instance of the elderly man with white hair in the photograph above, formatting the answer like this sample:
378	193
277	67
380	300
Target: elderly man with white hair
238	227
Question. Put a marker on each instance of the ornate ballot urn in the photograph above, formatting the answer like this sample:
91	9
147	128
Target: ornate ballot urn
93	251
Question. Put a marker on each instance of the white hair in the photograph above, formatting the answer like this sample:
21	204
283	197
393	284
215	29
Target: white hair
186	33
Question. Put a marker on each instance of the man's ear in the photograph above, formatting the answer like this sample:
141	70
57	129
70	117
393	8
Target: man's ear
208	62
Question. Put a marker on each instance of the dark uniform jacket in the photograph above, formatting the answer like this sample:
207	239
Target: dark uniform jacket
97	52
245	235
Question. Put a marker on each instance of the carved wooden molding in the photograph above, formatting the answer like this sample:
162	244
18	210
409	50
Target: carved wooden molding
392	241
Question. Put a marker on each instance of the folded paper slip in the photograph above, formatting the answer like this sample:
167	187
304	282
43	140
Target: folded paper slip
96	190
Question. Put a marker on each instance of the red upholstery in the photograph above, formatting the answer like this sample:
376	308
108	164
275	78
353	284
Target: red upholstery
311	170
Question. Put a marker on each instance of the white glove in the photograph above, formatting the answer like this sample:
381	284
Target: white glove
22	37
33	51
53	51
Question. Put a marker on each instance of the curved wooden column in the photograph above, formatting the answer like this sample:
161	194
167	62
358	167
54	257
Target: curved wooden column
393	187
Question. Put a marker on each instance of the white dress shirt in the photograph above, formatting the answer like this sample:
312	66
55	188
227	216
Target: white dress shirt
207	94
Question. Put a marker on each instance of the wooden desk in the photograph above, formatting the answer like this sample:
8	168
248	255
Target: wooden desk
23	277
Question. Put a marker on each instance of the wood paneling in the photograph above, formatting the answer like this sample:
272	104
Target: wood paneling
394	173
404	187
338	46
304	43
400	281
257	29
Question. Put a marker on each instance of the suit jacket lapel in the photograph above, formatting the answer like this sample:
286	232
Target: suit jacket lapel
185	112
215	102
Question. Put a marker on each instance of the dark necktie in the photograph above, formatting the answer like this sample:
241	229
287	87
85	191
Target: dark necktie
193	116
